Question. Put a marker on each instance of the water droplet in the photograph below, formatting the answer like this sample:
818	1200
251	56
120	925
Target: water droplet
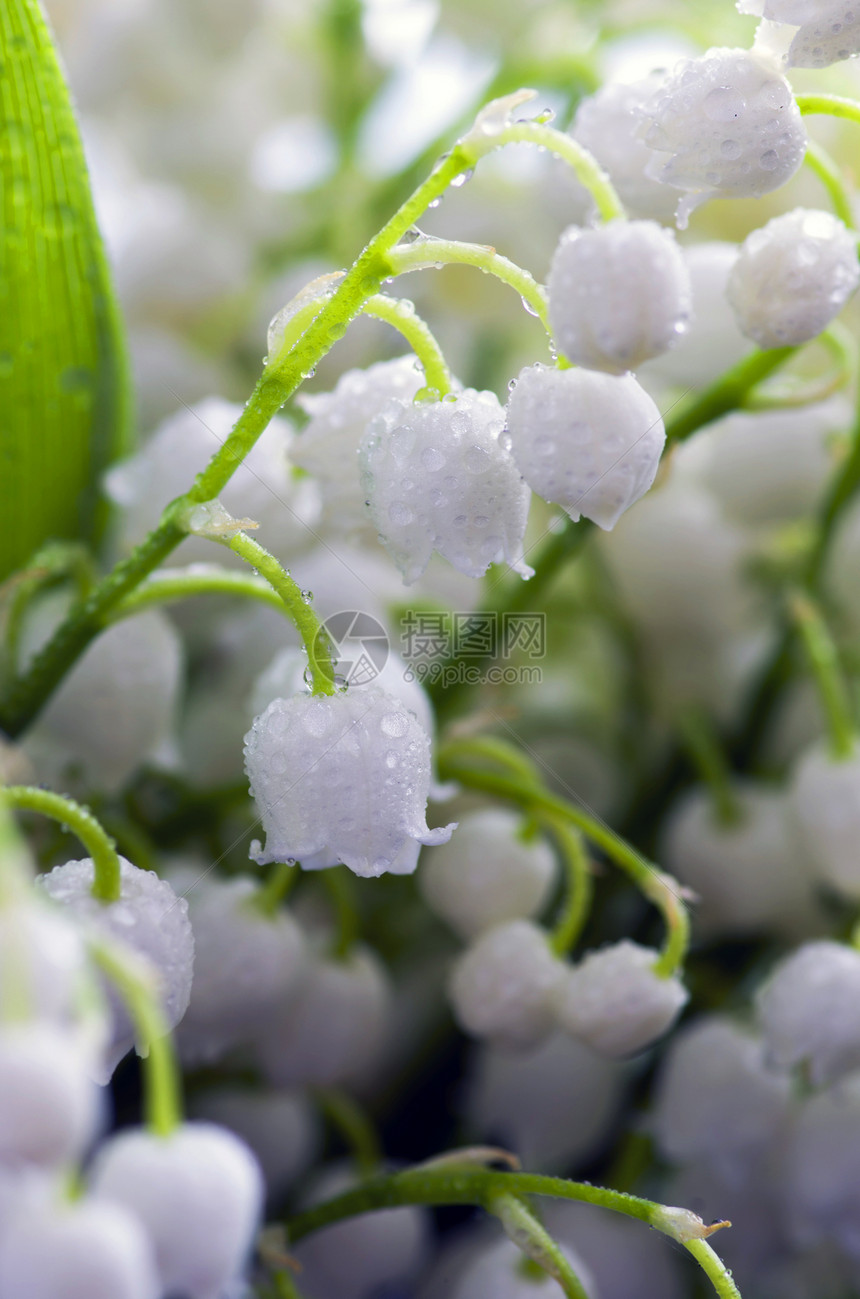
528	306
463	177
432	459
512	385
400	513
434	202
723	104
394	725
730	149
476	460
307	597
413	234
769	160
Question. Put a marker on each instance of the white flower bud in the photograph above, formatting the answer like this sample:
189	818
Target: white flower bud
331	1030
198	1193
586	441
825	795
342	778
115	707
487	874
282	1129
828	30
150	919
606	124
615	1003
41	954
716	1100
504	986
618	295
750	874
821	1158
731	128
83	1250
793	276
809	1011
328	446
245	963
49	1105
437	477
496	1273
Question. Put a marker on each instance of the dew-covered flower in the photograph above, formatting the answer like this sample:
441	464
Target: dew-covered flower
149	918
825	796
327	448
488	873
616	1003
589	442
341	778
437	476
504	986
809	1011
198	1193
729	125
793	276
618	295
828	31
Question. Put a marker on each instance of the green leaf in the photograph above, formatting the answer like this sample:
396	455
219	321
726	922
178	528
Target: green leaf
63	378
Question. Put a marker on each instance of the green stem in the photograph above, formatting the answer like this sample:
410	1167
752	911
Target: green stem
173	584
353	1123
832	105
80	820
842	345
481	1186
840	492
726	393
401	314
162	1104
271	895
824	663
659	888
306	622
703	746
429	253
339	884
828	172
578	892
528	1234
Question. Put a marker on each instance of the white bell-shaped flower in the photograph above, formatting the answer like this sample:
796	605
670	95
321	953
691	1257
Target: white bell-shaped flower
488	873
150	919
49	1105
729	125
43	956
825	796
504	986
199	1195
606	124
716	1100
618	295
793	276
809	1011
327	448
821	1155
332	1029
615	1002
341	778
282	1128
828	31
588	442
437	476
245	963
83	1250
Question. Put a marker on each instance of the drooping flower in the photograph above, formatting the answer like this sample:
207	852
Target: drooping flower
341	778
615	1002
504	985
826	31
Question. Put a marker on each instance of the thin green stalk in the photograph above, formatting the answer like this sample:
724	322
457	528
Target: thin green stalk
307	624
466	1185
659	888
726	393
528	1234
162	1104
827	672
431	254
842	346
703	746
173	584
271	895
401	314
829	173
339	884
353	1123
832	105
571	920
80	820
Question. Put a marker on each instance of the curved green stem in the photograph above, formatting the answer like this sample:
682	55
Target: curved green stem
353	1123
725	394
428	253
162	1103
306	622
577	902
828	172
401	314
528	1234
659	888
462	1184
842	345
173	584
271	895
703	746
824	663
80	820
832	105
